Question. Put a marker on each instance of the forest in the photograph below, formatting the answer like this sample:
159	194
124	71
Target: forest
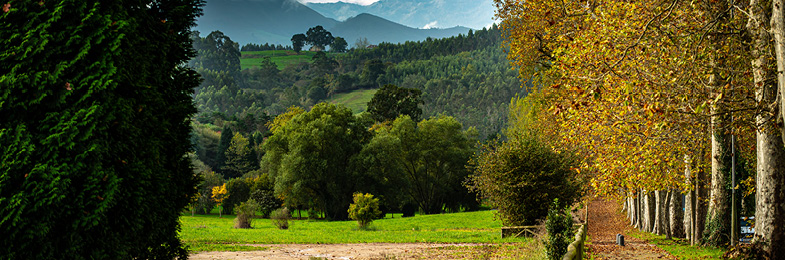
246	128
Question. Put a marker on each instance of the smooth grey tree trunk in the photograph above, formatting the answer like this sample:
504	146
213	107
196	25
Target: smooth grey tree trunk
639	206
651	211
699	206
770	179
660	215
688	207
718	229
633	210
778	30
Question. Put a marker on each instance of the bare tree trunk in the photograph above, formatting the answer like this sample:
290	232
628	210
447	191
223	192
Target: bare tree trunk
628	206
633	210
676	214
770	179
651	209
666	220
718	227
639	208
778	29
699	202
646	212
660	217
688	207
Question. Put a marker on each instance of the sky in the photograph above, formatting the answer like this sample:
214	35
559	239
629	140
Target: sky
361	2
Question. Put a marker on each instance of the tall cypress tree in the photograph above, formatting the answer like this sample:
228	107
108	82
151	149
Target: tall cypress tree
94	108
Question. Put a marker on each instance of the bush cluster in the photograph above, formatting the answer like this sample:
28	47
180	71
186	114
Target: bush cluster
559	227
280	218
364	209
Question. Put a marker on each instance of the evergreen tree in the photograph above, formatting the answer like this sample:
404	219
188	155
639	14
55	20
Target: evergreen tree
240	157
223	146
94	128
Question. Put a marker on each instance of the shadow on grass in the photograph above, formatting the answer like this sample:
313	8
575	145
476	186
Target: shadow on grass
679	247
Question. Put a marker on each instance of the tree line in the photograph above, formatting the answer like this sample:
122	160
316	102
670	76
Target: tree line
665	99
464	76
265	47
316	160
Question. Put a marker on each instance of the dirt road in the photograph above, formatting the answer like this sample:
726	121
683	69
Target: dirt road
605	221
330	251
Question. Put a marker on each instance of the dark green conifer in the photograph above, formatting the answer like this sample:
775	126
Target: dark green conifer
94	128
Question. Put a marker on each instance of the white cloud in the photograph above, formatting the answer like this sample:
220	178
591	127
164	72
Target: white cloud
431	25
359	2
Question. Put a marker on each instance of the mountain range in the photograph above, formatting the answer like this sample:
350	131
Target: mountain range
475	14
275	21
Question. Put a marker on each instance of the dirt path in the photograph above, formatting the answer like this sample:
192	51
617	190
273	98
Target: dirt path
330	251
605	221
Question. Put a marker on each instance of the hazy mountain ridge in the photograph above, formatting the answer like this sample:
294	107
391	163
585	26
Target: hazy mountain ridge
275	21
378	29
474	14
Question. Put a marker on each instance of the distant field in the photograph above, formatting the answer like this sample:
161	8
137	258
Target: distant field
356	100
281	58
210	233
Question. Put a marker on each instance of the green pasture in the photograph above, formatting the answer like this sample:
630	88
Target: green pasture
356	100
211	233
681	248
281	58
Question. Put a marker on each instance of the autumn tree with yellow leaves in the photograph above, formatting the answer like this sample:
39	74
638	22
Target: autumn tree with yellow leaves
640	85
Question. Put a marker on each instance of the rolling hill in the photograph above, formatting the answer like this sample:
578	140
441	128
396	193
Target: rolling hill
275	21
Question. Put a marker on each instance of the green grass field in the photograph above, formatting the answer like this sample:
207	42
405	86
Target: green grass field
356	100
281	58
680	247
210	233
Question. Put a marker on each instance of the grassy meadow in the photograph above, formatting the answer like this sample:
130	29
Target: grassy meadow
211	233
281	58
681	248
356	100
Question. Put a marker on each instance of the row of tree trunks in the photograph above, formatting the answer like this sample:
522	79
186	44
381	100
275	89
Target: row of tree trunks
709	209
672	212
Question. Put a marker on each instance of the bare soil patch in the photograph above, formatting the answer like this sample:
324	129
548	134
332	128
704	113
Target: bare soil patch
332	251
605	221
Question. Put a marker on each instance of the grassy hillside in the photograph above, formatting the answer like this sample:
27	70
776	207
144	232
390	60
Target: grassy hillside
355	100
281	58
204	233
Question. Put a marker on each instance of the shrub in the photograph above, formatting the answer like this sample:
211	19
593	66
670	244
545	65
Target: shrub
266	200
237	192
280	218
522	176
408	209
559	227
245	213
364	209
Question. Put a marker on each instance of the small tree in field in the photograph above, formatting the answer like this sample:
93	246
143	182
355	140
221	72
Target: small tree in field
245	213
219	194
280	218
364	209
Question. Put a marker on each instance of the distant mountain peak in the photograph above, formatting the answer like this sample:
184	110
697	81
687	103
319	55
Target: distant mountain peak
275	21
424	14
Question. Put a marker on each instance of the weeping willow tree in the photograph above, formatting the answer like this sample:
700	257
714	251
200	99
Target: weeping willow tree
94	108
